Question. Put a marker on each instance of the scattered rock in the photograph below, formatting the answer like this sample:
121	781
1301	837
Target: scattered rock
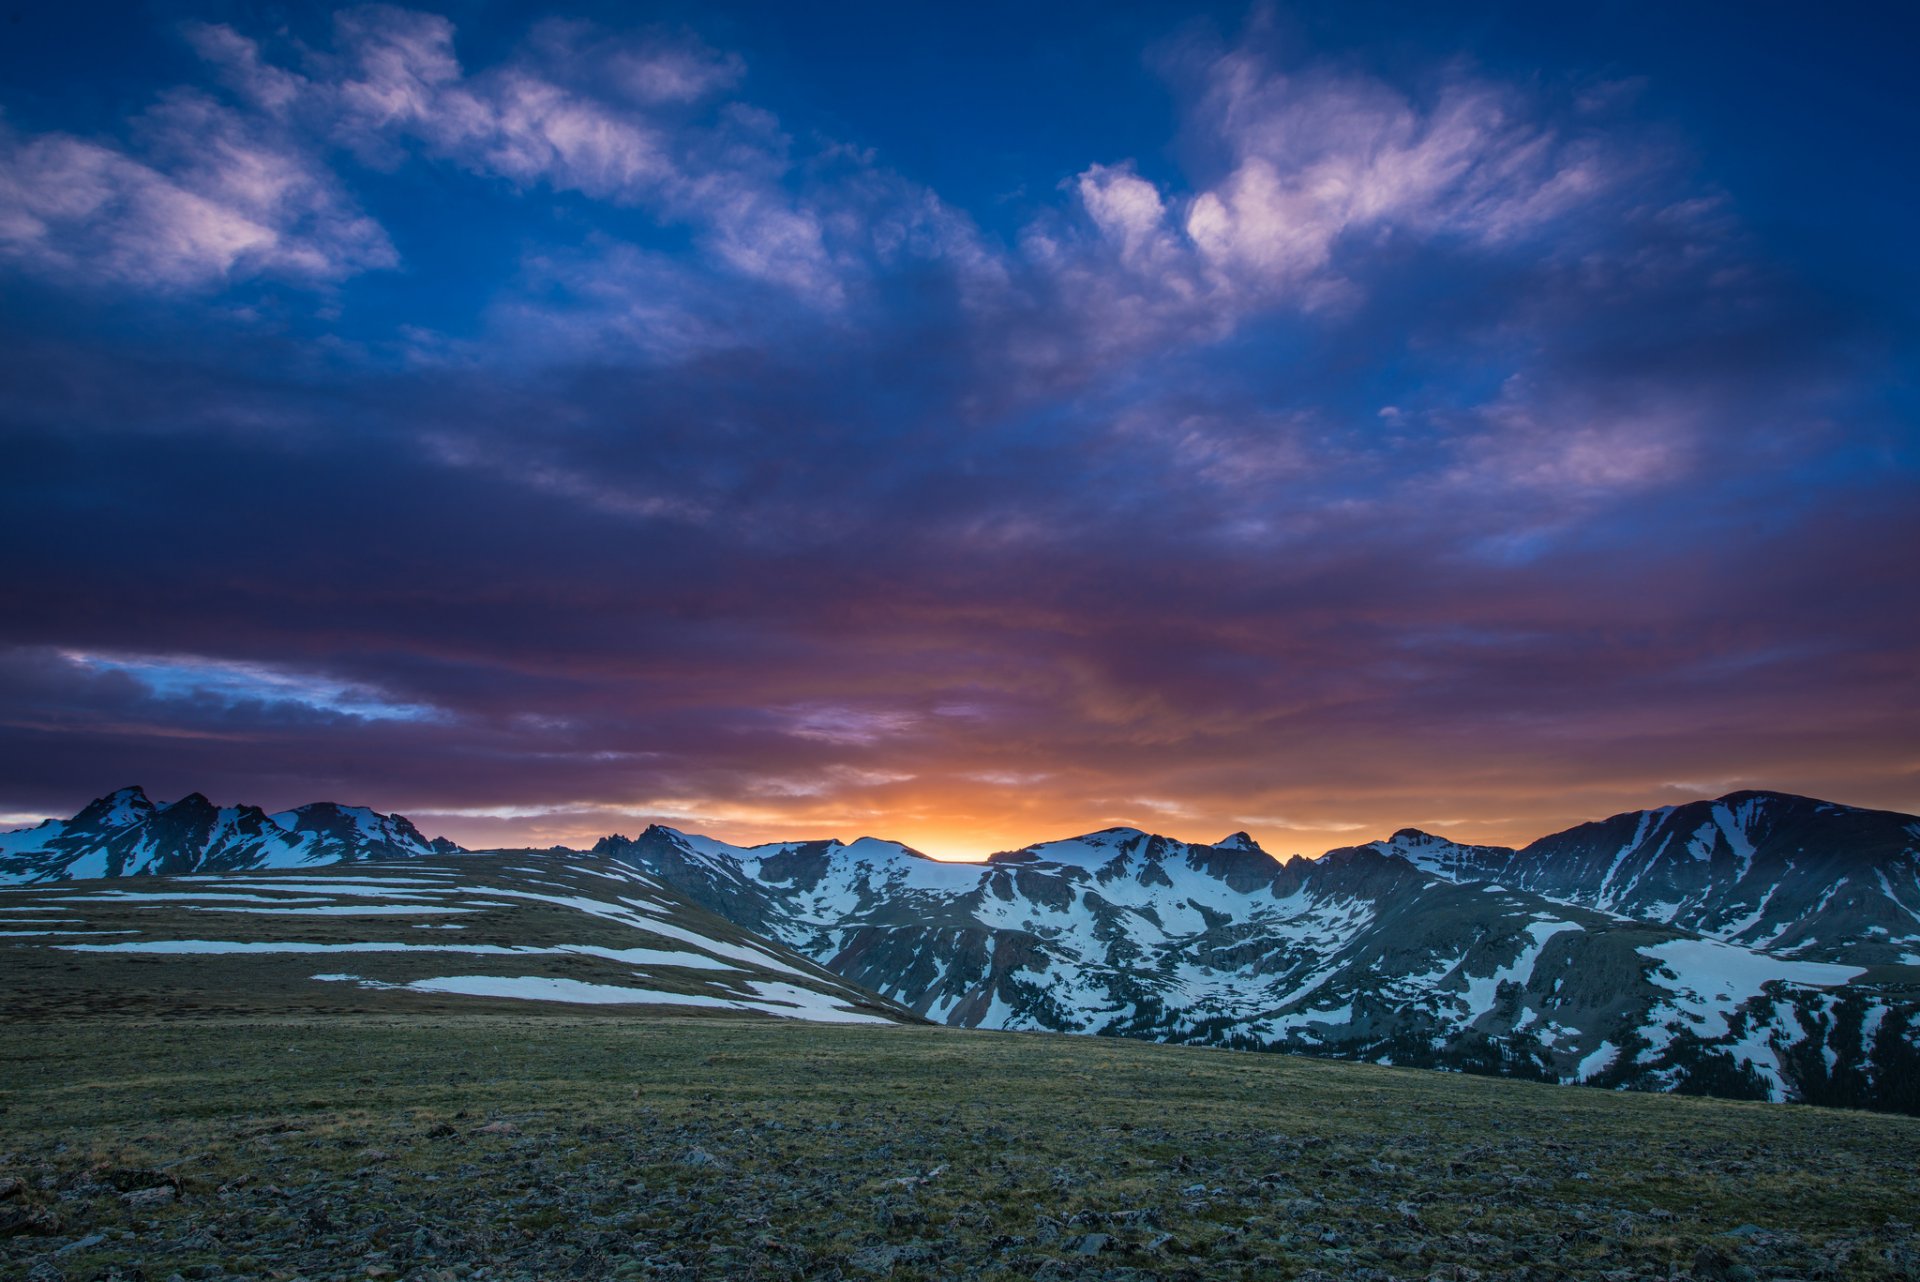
127	1179
1090	1244
28	1221
1710	1262
888	1257
158	1195
82	1243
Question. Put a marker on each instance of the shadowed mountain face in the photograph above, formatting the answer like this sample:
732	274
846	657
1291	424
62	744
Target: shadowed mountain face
1794	876
1760	945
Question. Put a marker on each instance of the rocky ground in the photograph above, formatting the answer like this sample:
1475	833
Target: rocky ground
503	1147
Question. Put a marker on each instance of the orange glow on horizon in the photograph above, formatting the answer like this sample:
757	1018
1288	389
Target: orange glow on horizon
972	823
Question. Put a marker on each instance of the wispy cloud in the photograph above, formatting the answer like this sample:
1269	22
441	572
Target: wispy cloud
230	682
201	197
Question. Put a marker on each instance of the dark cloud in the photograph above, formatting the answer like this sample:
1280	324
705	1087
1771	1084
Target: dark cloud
1437	455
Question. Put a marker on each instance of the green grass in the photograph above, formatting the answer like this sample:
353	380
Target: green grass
349	1145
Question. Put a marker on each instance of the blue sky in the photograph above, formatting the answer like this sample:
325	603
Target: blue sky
963	423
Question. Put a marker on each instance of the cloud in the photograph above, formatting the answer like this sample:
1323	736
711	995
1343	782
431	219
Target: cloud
228	683
1129	213
208	194
768	490
1322	174
204	198
240	66
1318	155
828	723
1572	449
576	110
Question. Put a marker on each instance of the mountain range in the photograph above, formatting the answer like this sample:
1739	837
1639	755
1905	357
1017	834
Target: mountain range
1759	945
125	834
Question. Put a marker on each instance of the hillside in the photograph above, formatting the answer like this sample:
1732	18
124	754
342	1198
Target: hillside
552	1144
478	932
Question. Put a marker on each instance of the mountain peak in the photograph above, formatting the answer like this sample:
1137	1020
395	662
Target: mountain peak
1772	796
118	809
1237	841
192	808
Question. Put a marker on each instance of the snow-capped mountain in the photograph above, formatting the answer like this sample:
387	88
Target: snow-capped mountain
1760	944
126	833
1794	876
1363	953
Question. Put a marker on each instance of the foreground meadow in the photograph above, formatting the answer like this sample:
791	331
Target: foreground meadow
508	1145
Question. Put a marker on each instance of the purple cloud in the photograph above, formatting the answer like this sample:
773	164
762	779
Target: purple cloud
1374	449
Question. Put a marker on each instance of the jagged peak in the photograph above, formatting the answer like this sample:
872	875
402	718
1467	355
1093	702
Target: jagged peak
330	808
1341	856
697	843
119	808
191	802
1093	849
1238	841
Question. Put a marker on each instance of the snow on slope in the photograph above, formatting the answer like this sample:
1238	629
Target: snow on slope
1551	961
1789	875
524	927
1372	952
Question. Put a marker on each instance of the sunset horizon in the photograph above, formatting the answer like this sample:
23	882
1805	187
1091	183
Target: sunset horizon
581	826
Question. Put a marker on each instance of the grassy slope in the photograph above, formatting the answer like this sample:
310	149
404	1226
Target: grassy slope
43	979
348	1145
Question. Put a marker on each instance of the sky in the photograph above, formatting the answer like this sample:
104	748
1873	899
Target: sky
964	424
